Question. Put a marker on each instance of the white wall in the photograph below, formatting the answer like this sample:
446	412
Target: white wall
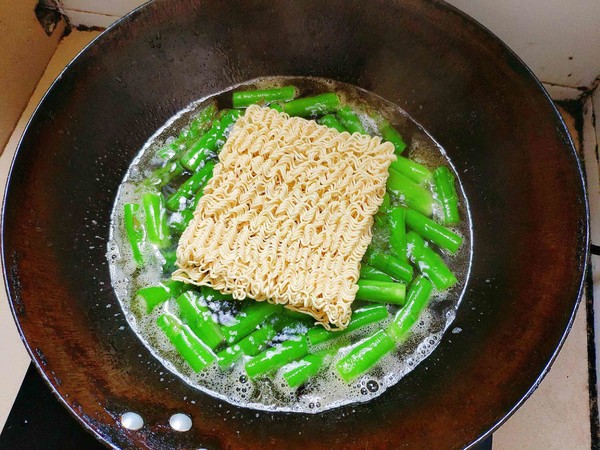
24	53
558	39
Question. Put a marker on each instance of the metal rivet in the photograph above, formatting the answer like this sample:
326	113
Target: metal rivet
180	422
132	421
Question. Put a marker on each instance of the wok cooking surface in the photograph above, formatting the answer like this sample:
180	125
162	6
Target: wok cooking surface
467	90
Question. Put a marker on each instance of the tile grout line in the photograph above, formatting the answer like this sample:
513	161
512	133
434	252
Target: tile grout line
591	172
591	351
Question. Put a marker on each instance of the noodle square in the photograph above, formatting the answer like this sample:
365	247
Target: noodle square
287	215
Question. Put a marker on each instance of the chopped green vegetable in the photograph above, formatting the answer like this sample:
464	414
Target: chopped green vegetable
135	232
312	106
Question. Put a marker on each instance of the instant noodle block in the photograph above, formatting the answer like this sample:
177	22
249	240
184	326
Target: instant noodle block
287	215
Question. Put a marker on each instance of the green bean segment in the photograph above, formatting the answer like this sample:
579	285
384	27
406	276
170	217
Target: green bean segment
411	169
199	318
312	106
178	200
332	122
397	223
368	272
381	291
247	321
350	120
390	134
210	141
135	232
432	231
364	355
446	191
189	135
390	265
195	352
156	219
430	263
155	295
276	357
251	345
246	98
418	295
362	317
301	371
164	175
410	193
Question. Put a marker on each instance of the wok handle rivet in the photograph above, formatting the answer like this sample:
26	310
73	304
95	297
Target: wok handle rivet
132	421
180	422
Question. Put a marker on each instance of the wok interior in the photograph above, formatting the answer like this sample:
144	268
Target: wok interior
512	152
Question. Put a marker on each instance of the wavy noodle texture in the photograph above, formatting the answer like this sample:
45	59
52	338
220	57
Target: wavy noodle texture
287	215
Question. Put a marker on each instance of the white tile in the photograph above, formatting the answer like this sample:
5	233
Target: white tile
557	415
89	19
558	92
558	39
591	141
13	355
15	359
591	132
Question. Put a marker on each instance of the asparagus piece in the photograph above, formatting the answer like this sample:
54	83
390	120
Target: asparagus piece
243	99
432	231
390	134
391	266
418	295
188	136
381	291
429	262
446	191
350	120
201	123
156	219
276	357
210	141
195	352
386	204
371	273
247	320
397	224
251	345
312	106
155	295
180	222
307	367
413	195
413	170
360	318
380	217
364	355
170	259
199	318
179	198
331	121
164	175
171	150
135	232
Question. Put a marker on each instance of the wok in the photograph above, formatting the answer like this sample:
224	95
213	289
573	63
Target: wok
514	156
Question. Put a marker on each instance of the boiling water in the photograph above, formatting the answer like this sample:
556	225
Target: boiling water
327	390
